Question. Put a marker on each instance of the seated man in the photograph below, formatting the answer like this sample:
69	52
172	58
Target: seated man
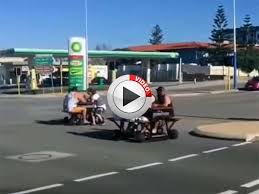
73	98
163	101
161	104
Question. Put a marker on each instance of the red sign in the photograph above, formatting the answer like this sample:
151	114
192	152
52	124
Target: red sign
44	70
143	83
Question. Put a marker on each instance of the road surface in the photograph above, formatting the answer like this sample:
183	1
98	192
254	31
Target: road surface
94	163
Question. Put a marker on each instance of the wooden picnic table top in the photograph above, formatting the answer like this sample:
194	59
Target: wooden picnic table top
162	109
86	105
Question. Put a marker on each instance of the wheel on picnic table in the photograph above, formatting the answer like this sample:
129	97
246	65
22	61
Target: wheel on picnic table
117	135
66	120
139	134
140	137
99	119
173	134
76	120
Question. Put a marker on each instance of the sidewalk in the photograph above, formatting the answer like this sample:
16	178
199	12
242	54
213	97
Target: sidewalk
248	131
188	85
174	89
104	93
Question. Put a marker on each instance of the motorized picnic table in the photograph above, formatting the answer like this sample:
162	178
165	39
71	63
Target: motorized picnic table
76	117
86	105
142	128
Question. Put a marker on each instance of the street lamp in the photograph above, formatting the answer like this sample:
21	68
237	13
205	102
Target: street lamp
235	47
86	42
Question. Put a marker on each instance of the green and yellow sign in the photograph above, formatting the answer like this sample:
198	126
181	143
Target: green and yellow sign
77	63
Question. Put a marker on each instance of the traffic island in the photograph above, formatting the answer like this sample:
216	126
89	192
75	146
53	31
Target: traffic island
248	131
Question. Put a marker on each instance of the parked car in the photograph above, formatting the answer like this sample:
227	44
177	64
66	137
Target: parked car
252	84
97	81
56	82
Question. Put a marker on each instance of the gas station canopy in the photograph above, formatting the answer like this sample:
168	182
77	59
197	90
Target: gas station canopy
25	52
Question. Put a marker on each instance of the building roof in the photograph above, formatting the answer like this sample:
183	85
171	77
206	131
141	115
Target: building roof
170	47
25	52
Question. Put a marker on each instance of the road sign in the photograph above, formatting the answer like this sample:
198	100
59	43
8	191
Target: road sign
44	70
43	60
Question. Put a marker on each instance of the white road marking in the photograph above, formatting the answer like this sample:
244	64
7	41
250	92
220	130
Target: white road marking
251	184
96	176
183	157
144	166
255	192
229	192
39	189
215	150
241	144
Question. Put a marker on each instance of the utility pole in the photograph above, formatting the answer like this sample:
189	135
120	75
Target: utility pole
235	47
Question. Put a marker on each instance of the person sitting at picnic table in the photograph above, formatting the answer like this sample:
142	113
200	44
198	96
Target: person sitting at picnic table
73	99
163	100
97	102
162	103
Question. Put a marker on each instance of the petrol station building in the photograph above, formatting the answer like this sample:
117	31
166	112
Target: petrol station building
26	56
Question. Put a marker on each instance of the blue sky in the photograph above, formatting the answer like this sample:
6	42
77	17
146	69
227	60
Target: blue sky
118	23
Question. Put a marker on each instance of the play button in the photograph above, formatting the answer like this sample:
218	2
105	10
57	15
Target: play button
129	96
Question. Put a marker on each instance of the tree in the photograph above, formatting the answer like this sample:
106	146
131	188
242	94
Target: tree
247	29
100	47
156	35
103	47
220	49
218	35
248	59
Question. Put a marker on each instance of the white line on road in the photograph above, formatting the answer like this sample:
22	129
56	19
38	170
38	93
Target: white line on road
241	144
215	150
229	192
96	176
255	192
144	166
39	189
183	157
251	184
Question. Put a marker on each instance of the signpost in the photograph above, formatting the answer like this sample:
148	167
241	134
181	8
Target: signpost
43	64
43	60
78	63
18	73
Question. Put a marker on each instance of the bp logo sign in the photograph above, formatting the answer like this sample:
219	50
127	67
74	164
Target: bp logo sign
76	47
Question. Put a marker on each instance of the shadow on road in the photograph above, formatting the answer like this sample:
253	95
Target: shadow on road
102	134
51	122
110	135
243	119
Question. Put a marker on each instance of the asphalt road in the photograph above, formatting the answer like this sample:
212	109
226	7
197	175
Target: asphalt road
100	165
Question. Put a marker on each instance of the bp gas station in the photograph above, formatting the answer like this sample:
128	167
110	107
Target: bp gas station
78	56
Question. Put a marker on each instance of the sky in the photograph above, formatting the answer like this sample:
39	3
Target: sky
117	23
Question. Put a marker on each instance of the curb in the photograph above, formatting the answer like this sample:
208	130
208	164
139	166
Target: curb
188	94
204	93
223	91
246	131
104	93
